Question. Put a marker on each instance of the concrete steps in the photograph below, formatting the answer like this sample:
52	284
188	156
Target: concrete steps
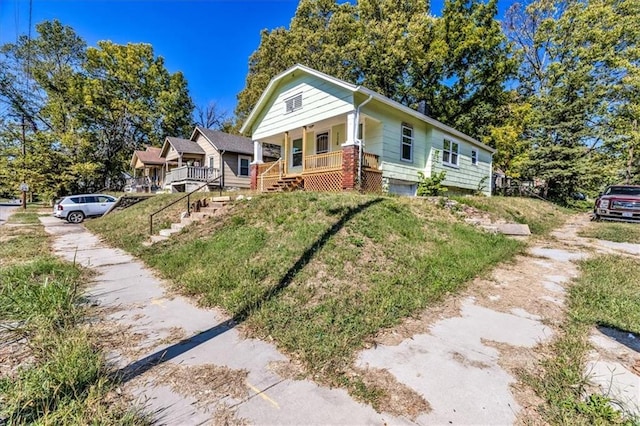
212	207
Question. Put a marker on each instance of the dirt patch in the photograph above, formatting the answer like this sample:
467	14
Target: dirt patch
176	334
112	336
290	370
209	384
13	356
396	398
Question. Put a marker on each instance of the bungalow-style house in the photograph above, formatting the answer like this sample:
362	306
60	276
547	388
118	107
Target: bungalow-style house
208	156
339	136
148	170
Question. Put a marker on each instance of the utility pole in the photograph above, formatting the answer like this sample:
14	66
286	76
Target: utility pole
24	188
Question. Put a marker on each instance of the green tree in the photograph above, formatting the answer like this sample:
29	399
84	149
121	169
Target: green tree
84	110
569	75
473	63
454	66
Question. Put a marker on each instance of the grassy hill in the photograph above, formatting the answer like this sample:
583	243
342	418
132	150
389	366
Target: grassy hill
318	273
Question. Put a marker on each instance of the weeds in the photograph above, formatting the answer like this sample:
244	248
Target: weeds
321	274
56	376
541	216
613	231
607	293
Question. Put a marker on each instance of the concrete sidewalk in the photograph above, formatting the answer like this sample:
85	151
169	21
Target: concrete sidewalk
168	344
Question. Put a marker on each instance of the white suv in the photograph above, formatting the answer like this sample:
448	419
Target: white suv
75	208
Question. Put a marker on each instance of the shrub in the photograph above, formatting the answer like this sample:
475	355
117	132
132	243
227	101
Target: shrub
431	186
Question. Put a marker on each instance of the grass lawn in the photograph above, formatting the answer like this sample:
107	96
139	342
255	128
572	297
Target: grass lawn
52	372
607	293
319	273
541	216
613	231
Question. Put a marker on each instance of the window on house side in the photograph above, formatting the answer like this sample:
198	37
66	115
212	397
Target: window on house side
474	157
293	103
322	143
450	153
243	166
407	143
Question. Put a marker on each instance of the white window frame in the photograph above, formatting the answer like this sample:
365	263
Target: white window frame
474	157
240	158
293	103
448	154
406	140
212	162
324	132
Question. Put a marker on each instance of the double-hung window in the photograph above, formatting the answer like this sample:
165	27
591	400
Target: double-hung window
450	153
474	157
243	165
293	103
406	149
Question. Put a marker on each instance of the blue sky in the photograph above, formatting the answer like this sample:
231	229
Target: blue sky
210	41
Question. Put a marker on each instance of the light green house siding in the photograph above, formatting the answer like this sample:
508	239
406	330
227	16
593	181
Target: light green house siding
320	100
466	176
386	135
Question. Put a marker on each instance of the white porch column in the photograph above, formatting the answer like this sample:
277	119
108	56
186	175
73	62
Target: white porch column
352	128
257	152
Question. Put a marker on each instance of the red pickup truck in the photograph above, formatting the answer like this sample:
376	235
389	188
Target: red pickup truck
618	202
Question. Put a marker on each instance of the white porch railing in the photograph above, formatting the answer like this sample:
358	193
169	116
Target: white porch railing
191	173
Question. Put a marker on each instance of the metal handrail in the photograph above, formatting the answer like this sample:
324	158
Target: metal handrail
180	199
265	172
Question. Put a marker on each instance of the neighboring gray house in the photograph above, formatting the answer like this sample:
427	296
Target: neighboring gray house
207	156
231	154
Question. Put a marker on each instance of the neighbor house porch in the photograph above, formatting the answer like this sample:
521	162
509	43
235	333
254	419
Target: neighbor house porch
324	156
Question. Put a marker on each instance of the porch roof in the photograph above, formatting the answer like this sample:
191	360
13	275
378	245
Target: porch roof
182	146
273	84
151	156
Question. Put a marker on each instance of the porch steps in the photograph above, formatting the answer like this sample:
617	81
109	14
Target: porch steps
287	184
212	208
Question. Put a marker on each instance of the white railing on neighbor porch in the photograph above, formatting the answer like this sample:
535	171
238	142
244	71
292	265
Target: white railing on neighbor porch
191	173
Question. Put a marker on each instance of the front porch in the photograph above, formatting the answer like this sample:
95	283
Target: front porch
335	171
189	178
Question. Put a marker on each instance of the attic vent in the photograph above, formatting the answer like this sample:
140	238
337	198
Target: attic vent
293	103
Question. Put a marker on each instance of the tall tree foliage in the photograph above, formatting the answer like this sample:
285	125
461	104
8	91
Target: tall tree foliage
579	58
84	110
457	64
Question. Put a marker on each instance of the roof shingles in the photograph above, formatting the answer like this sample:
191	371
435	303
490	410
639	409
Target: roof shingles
226	142
185	146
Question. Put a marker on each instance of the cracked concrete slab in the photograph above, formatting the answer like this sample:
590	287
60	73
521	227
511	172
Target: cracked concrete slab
130	294
456	358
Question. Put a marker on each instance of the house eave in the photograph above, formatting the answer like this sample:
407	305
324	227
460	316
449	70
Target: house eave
422	117
356	89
